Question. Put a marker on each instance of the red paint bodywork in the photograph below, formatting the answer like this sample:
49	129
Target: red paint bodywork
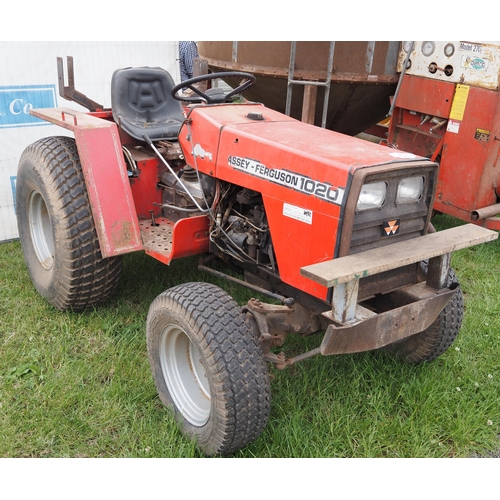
145	190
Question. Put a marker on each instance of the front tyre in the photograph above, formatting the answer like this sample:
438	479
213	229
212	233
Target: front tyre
208	367
56	228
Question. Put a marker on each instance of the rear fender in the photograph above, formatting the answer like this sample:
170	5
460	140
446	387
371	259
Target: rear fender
106	178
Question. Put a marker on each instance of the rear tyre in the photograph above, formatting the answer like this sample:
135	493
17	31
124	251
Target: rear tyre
57	230
431	343
208	367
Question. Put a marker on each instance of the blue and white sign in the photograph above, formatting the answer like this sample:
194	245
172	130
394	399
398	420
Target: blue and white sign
17	101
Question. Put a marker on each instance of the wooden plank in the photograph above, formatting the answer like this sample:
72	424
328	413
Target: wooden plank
378	260
69	118
309	104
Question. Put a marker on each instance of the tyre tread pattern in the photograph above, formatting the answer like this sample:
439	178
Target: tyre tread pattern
84	278
234	360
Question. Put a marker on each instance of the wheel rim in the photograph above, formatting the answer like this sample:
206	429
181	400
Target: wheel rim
185	375
41	230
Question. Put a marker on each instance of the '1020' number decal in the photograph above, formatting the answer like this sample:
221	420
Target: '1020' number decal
292	180
319	189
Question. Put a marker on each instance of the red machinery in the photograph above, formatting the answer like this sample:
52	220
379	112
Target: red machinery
332	227
447	108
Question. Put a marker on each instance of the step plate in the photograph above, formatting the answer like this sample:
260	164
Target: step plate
167	240
157	239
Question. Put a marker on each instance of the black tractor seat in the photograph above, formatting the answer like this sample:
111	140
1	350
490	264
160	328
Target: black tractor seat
142	104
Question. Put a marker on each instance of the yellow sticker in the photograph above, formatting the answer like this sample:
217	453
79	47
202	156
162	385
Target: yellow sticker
459	102
482	134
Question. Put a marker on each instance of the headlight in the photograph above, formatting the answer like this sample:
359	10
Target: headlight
410	190
372	195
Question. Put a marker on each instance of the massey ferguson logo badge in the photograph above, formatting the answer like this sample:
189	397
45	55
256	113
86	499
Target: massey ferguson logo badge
298	182
391	227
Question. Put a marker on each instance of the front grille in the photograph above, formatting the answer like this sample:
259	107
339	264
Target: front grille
365	230
368	229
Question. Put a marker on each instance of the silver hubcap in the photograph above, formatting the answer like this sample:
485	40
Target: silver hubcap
41	230
185	376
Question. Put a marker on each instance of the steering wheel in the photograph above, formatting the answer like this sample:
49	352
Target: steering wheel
212	97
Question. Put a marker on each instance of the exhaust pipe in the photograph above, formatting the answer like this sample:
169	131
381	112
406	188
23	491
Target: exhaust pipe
484	213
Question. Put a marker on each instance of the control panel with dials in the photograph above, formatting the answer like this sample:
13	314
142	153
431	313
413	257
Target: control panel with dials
470	63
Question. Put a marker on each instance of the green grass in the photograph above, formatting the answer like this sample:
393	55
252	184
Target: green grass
79	385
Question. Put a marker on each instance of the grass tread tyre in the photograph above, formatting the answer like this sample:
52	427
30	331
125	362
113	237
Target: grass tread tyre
232	360
435	340
57	230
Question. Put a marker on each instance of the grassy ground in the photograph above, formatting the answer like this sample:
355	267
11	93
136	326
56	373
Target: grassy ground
79	385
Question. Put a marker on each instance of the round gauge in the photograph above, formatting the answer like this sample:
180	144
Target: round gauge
428	48
449	49
407	46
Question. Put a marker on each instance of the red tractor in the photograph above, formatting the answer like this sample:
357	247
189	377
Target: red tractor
333	229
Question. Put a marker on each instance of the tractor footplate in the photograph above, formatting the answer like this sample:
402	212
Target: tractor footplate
158	237
165	240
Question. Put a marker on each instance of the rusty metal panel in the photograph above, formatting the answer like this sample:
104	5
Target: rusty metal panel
364	74
273	57
385	328
106	178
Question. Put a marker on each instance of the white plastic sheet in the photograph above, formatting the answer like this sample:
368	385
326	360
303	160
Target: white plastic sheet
29	79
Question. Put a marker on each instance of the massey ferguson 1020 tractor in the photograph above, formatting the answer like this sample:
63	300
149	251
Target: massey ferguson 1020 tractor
333	229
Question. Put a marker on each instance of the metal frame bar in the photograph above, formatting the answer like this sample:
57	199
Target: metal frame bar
325	84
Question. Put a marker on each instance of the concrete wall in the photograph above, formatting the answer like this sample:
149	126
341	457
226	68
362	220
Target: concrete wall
28	79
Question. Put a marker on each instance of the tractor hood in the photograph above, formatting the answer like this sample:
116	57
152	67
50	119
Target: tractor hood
263	125
255	147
